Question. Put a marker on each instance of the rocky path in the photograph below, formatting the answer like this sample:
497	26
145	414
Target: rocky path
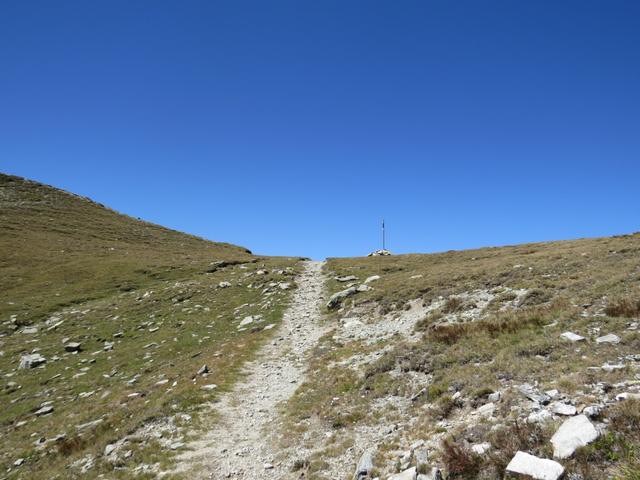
239	447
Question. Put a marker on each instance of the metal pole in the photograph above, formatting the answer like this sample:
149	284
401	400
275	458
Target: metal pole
383	239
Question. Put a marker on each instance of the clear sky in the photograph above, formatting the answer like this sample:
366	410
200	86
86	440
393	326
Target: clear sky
293	127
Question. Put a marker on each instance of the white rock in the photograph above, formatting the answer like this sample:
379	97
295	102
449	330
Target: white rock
409	474
18	462
609	367
209	387
486	410
246	321
592	410
109	449
572	337
541	416
224	285
372	278
574	433
538	468
494	397
32	360
480	448
627	396
560	408
363	288
611	338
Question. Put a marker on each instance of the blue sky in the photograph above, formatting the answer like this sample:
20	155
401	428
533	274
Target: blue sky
293	127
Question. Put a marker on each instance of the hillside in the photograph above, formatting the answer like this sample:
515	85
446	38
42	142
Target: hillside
113	318
131	350
456	361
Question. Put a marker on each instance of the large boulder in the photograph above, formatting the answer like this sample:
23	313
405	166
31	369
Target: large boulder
574	433
336	299
534	467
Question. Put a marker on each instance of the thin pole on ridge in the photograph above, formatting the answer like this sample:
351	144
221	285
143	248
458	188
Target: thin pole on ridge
383	239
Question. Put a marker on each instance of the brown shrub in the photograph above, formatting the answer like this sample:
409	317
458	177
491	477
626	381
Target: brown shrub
623	308
459	461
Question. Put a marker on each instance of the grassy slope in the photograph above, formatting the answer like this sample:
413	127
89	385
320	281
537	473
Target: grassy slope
63	257
573	283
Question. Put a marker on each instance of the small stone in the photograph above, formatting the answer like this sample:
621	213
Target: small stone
203	369
32	360
572	337
337	298
246	321
372	278
72	347
109	449
18	462
348	278
611	338
409	474
224	285
540	416
538	468
45	410
627	396
176	445
209	387
365	465
268	466
574	433
480	448
494	397
560	408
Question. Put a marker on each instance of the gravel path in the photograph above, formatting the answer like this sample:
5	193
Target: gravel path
240	447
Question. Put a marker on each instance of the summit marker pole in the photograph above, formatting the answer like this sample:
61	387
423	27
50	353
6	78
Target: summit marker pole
383	239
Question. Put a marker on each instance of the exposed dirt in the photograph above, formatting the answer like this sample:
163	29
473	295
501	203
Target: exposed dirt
241	444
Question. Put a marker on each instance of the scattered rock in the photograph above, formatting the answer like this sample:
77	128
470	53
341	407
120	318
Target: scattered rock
32	360
480	448
560	408
246	321
541	416
109	449
611	338
45	410
18	462
380	253
627	396
224	285
538	468
372	278
209	387
89	425
72	347
365	465
348	278
363	288
337	298
572	337
575	432
409	474
534	395
203	370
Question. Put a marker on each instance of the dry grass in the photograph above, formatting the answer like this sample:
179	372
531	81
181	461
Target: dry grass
151	291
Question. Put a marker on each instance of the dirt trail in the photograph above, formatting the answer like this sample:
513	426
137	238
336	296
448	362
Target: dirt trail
239	447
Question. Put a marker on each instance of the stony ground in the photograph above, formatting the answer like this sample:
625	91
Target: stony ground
240	443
